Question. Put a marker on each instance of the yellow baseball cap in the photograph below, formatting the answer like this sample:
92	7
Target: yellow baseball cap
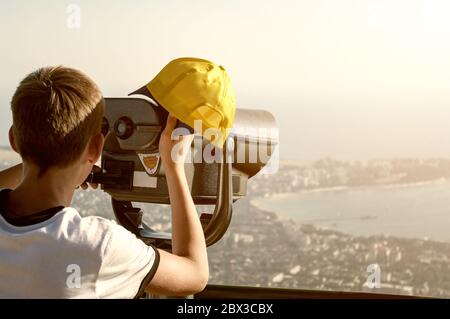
196	89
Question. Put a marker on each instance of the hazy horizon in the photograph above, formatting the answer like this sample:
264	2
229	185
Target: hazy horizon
349	79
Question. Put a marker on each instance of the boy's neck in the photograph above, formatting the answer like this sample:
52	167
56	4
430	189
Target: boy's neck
55	188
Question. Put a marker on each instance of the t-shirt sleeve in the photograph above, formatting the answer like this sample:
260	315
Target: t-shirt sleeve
128	265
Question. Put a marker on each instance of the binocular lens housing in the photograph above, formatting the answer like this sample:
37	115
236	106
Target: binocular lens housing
135	137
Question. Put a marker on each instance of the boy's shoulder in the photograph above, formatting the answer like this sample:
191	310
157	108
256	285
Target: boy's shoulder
88	230
99	232
94	221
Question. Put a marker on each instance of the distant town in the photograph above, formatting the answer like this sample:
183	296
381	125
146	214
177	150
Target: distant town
261	249
324	173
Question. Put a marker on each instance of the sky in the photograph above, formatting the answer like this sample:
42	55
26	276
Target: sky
349	79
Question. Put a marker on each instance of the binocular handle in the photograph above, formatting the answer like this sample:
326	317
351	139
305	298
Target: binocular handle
221	218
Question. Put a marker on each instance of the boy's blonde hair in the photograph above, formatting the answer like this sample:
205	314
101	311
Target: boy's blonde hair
56	110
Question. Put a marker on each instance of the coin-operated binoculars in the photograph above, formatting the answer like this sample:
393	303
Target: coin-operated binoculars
132	170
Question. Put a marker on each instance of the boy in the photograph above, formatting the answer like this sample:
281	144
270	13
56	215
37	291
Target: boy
46	249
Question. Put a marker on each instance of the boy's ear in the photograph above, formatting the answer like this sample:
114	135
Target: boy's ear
12	140
95	148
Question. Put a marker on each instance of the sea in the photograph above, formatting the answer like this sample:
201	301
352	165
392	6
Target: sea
419	210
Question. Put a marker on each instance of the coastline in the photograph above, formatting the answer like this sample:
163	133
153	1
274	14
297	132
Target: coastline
350	188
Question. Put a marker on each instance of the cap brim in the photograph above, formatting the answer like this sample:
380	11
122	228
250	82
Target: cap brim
144	91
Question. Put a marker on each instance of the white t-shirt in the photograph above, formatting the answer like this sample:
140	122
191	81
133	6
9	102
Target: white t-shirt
69	256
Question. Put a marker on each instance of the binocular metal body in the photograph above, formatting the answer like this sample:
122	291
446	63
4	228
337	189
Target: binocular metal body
132	170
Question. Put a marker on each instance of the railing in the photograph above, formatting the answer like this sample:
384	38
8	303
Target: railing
237	292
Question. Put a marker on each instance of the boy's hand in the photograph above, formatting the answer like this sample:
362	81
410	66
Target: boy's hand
174	149
185	271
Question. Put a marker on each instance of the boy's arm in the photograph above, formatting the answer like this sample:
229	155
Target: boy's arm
185	271
10	178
